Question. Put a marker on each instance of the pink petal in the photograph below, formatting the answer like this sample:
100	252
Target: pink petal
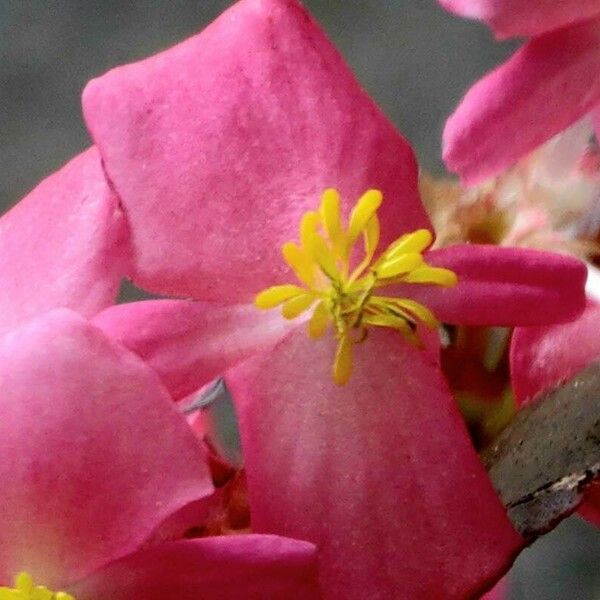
548	84
219	145
379	473
590	508
249	567
503	286
190	343
543	357
64	245
524	17
499	591
95	455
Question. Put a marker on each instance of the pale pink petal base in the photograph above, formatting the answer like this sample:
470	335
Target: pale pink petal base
220	144
548	84
524	17
190	343
248	567
64	245
95	455
379	473
503	286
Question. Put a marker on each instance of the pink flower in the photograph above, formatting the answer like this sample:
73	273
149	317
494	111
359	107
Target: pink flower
96	459
548	84
97	465
216	149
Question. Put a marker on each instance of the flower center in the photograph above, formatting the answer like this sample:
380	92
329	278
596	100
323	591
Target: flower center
25	589
347	297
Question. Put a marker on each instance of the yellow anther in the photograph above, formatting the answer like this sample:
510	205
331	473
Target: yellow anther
276	295
371	241
417	241
299	262
432	275
330	216
25	589
323	255
308	228
371	235
296	306
341	292
398	265
365	208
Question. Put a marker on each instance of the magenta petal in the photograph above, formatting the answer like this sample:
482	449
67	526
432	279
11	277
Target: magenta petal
248	567
547	85
219	145
524	17
499	592
543	357
379	473
64	245
190	343
504	286
94	454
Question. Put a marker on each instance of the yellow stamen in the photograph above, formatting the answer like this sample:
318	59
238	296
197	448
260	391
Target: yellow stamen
317	326
403	263
417	241
323	256
341	292
371	241
308	228
276	295
330	216
296	306
25	589
365	208
432	275
300	263
342	367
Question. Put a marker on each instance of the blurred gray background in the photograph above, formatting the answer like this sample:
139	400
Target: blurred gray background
413	58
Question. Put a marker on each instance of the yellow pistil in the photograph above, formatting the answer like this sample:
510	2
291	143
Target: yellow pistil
345	298
25	589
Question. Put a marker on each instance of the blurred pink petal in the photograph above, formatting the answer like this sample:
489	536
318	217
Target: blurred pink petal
504	286
498	592
95	455
543	357
590	508
524	17
248	567
380	473
219	145
64	245
548	84
190	343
